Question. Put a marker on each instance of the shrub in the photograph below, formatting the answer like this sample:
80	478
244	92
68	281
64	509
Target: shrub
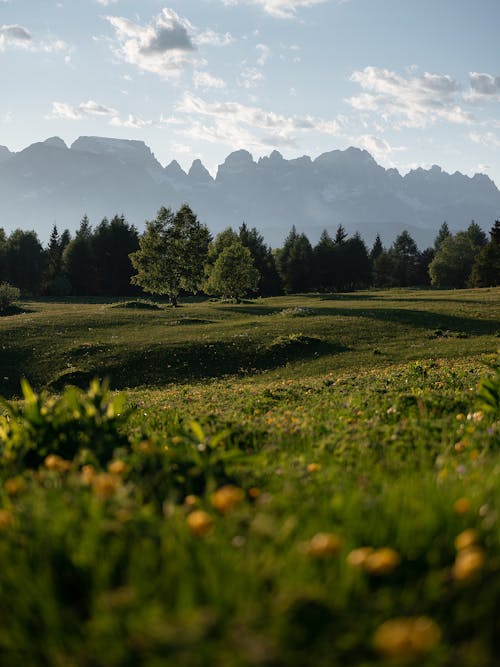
8	296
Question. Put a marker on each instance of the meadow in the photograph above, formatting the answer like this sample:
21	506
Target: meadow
307	480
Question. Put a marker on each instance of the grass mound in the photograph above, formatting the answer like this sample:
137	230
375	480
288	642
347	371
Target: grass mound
136	304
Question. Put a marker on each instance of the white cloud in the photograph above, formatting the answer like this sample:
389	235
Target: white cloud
206	80
212	38
130	121
105	3
484	87
163	47
250	77
488	139
283	9
19	37
377	146
264	52
83	110
416	101
239	125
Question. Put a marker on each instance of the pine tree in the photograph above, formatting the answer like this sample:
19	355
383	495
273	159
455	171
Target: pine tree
294	261
377	248
443	233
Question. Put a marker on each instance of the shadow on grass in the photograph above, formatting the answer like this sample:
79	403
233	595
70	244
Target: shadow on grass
191	361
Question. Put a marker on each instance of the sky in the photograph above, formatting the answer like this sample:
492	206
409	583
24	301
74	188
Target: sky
414	82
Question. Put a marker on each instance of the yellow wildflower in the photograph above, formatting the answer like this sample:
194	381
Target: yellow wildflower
105	485
200	523
466	539
382	561
6	519
407	639
313	467
226	498
14	485
468	563
357	557
117	467
323	545
57	463
462	506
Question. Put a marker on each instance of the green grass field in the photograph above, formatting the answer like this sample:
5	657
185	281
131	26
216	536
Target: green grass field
307	480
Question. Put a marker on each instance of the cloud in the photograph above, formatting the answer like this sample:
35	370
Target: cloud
483	87
282	9
83	110
206	80
240	125
105	3
19	37
163	47
416	101
250	77
377	146
130	121
212	38
488	139
264	52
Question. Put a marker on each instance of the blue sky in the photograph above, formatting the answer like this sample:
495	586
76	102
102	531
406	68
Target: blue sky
415	82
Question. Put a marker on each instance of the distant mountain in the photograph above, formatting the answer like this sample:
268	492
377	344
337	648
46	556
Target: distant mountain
50	182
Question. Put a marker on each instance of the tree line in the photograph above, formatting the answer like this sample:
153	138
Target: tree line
177	254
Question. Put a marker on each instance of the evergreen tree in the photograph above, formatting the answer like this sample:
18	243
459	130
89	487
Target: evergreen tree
25	261
112	243
233	275
294	261
383	270
443	233
377	248
172	253
423	262
486	267
404	255
476	235
340	235
357	269
324	278
3	256
79	262
263	259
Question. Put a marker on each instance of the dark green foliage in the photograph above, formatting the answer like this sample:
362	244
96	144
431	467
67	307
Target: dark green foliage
295	263
382	270
79	261
486	267
65	426
452	264
476	235
324	264
25	261
112	243
424	260
264	261
404	257
377	248
8	297
234	274
172	253
443	233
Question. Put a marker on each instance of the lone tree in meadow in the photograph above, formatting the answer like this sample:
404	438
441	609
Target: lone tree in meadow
233	275
172	252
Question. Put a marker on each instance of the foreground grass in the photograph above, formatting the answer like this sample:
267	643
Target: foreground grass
125	551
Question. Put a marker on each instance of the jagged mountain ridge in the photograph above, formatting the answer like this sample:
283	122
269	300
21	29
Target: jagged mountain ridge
50	182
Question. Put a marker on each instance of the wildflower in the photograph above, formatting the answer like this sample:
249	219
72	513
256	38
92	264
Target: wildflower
105	485
6	519
14	485
475	416
462	506
313	467
117	467
468	563
323	545
87	474
357	557
254	492
191	500
407	639
226	498
200	523
466	539
382	561
57	463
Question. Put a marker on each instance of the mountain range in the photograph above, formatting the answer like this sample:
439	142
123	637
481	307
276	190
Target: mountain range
49	182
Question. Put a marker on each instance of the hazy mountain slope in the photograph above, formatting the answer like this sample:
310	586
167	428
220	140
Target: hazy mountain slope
49	182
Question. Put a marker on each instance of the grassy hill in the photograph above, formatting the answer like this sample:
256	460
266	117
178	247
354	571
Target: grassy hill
309	480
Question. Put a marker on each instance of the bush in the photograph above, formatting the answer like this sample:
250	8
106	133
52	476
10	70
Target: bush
8	296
